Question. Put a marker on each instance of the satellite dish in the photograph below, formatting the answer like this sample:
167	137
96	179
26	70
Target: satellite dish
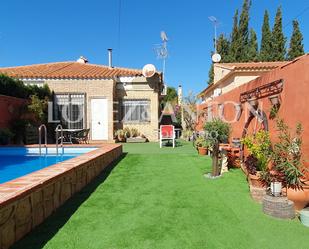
216	58
149	70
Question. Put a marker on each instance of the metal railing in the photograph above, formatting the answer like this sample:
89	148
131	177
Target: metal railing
40	138
59	128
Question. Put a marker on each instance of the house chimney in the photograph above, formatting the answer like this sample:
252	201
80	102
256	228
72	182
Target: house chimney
110	57
179	93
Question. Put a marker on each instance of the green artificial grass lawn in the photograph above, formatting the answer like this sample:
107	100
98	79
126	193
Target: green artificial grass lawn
159	198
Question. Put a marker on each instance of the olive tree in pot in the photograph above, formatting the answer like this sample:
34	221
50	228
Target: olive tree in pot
217	132
287	167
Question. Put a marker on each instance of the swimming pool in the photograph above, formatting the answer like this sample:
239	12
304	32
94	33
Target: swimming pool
19	161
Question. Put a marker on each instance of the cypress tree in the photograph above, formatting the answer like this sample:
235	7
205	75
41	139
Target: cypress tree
223	48
278	39
266	50
211	74
253	46
296	43
243	31
235	46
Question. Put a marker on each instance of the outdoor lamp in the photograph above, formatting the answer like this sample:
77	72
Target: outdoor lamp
238	110
253	102
275	100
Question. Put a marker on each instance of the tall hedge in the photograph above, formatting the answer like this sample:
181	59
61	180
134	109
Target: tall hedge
16	88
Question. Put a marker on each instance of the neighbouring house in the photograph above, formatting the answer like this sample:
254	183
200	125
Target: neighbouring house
102	98
228	76
285	88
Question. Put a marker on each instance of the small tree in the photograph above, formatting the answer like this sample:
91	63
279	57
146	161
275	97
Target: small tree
287	163
278	38
39	108
253	46
265	51
296	44
217	132
171	96
211	74
243	30
190	112
235	46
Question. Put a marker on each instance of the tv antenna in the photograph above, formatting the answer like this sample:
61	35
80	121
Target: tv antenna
161	51
215	57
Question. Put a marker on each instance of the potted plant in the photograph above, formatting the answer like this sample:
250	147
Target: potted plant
127	132
201	144
287	165
120	136
217	132
260	149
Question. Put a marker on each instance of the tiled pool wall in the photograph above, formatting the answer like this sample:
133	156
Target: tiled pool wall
27	201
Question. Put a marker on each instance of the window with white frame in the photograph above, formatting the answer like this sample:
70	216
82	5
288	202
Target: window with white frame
135	110
70	110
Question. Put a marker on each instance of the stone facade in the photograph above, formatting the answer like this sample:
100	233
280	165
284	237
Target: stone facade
27	201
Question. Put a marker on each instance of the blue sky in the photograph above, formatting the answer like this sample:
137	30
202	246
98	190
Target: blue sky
36	31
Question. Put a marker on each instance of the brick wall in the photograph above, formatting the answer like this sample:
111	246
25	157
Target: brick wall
142	88
93	89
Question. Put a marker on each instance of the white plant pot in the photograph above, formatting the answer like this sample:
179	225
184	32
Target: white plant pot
276	188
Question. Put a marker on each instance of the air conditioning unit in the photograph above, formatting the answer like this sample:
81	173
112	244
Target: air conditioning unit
217	92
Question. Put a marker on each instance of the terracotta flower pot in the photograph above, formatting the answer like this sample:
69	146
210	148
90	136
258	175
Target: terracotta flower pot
299	197
254	180
202	151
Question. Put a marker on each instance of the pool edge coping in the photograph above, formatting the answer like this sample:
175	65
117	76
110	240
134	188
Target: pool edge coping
22	186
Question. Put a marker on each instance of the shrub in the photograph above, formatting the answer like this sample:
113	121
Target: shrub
16	88
187	134
5	136
127	132
119	134
134	132
259	146
18	128
250	164
287	157
201	142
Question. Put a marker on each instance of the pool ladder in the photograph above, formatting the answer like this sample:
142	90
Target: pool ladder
59	128
40	138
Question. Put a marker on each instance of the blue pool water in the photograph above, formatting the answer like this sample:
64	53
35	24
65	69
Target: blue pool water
17	162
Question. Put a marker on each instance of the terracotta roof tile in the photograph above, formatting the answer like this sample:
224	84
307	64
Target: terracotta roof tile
252	65
60	70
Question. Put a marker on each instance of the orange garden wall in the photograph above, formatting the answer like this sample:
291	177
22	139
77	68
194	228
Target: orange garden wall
294	100
9	109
